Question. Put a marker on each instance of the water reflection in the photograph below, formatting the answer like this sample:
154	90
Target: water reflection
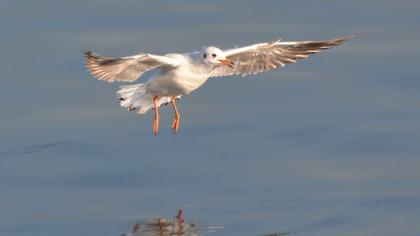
176	226
163	226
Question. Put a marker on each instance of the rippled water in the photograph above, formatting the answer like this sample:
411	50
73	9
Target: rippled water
326	146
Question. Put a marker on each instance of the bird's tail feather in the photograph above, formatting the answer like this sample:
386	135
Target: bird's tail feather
134	97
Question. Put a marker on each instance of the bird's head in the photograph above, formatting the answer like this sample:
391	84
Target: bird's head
215	56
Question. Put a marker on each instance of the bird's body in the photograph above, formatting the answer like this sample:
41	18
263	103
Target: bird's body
189	75
176	74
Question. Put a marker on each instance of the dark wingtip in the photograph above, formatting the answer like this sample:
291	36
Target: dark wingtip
338	41
346	38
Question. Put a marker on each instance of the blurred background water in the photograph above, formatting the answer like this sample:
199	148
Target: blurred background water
326	146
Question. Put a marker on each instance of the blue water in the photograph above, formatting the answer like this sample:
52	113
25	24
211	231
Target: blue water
326	146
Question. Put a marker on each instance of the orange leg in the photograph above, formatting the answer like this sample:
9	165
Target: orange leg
156	121
175	123
161	227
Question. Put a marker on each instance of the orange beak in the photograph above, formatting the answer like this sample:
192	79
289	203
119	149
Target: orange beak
227	62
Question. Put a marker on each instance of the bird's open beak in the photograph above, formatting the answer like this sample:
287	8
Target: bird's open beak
227	62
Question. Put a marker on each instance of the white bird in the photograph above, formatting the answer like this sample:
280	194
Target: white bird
176	74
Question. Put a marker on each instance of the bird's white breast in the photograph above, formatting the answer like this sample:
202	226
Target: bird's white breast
183	79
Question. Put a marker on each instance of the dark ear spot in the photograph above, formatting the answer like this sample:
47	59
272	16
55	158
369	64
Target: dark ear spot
204	55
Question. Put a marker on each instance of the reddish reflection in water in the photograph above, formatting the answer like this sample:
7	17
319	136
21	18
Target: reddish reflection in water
165	227
176	227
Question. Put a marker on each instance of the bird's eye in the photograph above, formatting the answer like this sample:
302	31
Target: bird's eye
214	54
204	55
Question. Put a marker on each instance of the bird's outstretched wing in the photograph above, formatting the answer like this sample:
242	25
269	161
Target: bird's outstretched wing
266	56
125	69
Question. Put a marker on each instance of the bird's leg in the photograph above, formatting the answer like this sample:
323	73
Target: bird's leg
156	121
175	123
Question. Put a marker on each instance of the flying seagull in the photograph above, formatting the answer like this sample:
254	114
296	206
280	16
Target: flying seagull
178	74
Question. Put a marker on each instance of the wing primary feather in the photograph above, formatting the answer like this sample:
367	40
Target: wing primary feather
265	56
125	68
